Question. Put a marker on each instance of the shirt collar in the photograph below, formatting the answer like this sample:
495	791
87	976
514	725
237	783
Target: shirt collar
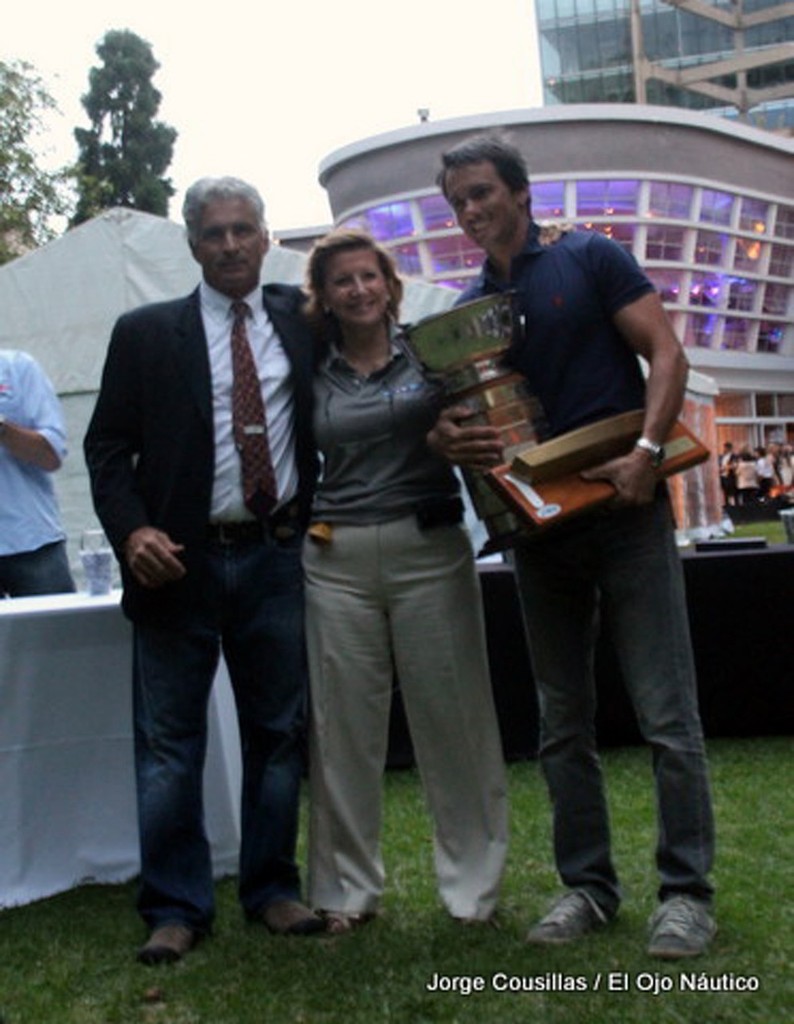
218	305
531	247
335	357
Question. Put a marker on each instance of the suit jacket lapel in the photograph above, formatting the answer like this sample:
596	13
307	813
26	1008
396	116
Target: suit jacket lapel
289	327
191	356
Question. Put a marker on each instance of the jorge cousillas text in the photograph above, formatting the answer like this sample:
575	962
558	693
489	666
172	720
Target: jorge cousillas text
650	982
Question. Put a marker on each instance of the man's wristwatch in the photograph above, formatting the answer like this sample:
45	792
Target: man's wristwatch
656	451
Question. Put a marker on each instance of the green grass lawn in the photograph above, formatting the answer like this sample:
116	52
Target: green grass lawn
771	529
69	960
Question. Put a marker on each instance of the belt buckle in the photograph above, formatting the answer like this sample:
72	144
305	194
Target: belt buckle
225	533
284	531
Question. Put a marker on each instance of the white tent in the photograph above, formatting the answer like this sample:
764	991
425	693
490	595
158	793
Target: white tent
60	302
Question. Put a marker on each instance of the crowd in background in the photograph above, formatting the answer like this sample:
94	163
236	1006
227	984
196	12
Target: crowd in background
756	476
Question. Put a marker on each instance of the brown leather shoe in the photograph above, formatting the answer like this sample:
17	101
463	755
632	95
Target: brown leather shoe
167	943
289	917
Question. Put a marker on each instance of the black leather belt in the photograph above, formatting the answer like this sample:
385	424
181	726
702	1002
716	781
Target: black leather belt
282	525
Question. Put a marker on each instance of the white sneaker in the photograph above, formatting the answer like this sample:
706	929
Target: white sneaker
574	914
681	926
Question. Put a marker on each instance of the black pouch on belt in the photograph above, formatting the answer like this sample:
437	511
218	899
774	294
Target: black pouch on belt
439	512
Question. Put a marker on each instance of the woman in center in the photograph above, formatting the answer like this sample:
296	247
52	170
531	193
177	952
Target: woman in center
392	592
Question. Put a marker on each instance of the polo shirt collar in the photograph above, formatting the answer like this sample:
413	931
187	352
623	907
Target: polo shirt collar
335	357
531	247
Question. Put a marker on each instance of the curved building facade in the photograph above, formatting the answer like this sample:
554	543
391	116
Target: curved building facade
705	205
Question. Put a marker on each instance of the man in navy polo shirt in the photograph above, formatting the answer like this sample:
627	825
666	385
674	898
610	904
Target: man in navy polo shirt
589	313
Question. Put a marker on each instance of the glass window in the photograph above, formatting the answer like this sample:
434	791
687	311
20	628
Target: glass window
748	253
700	330
785	405
715	207
454	253
408	259
734	334
605	198
667	284
734	405
776	298
548	200
664	242
436	213
666	199
770	338
706	290
392	220
785	222
765	404
781	261
620	232
741	293
710	248
753	216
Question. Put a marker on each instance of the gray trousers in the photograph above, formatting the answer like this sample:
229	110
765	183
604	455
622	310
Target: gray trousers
626	563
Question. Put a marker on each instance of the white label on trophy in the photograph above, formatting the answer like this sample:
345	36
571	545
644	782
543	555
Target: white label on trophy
545	511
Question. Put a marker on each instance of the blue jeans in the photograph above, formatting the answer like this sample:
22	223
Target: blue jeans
627	563
43	571
251	607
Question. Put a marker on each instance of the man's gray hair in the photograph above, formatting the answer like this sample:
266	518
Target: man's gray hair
205	190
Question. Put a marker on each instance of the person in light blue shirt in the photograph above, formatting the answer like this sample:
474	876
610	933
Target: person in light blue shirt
32	446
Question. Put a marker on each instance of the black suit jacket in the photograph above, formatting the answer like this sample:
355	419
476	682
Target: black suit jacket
149	445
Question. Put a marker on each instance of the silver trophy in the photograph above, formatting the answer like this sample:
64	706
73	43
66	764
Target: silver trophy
465	348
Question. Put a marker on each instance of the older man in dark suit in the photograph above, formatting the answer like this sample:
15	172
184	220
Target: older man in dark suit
205	502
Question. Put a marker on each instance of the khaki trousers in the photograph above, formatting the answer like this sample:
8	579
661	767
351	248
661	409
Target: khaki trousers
380	599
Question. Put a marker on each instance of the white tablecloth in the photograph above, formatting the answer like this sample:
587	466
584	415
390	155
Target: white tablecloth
67	793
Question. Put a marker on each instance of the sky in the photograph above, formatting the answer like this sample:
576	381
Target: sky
265	91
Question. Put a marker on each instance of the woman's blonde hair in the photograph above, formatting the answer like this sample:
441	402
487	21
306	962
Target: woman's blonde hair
339	240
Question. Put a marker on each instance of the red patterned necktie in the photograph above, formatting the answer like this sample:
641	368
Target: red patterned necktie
249	423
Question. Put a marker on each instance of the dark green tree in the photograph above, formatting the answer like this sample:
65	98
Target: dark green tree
125	153
29	195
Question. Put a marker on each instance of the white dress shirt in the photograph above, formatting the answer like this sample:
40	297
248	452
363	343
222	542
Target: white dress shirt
274	371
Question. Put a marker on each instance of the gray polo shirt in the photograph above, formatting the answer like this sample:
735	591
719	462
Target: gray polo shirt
371	433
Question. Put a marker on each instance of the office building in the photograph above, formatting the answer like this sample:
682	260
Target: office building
733	57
